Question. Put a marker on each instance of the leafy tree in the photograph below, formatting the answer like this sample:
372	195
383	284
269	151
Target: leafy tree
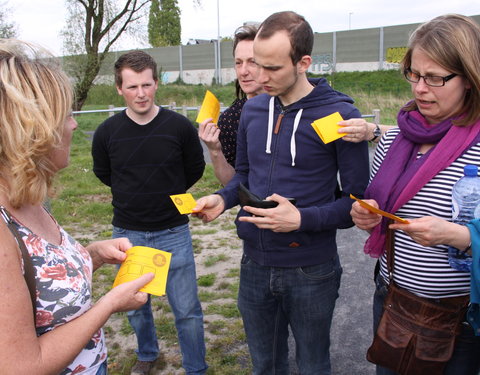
92	28
7	29
164	28
154	24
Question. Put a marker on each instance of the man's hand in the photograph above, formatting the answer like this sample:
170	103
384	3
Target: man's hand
209	208
283	218
208	133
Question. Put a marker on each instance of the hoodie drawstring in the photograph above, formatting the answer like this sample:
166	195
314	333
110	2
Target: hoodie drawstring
293	145
271	108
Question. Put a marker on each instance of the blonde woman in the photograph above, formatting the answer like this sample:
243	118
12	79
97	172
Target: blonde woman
36	128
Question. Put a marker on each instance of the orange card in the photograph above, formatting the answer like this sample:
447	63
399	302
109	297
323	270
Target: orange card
378	211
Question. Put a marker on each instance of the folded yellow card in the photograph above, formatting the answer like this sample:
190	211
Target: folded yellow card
184	203
210	108
327	127
378	211
141	260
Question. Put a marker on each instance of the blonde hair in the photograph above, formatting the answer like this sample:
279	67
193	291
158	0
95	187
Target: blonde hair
35	100
453	42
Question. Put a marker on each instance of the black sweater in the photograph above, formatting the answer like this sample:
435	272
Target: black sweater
144	165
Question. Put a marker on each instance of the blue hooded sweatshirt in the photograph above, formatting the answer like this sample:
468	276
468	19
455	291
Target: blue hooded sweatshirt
287	157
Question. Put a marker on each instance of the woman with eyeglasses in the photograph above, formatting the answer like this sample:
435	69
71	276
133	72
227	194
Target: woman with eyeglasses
415	167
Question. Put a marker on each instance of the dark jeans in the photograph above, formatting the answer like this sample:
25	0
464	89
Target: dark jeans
271	298
466	355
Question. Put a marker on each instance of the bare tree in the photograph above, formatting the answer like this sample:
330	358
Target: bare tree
92	28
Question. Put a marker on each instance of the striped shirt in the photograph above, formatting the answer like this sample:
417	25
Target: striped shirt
422	270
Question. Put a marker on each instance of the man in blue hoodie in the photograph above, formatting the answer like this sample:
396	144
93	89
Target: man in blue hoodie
290	270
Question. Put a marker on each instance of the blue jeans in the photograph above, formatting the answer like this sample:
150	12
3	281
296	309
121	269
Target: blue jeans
103	369
466	354
271	298
182	296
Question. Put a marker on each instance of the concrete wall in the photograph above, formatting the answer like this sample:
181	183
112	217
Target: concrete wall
353	50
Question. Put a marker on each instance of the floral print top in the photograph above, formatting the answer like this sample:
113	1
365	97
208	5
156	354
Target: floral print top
228	125
63	276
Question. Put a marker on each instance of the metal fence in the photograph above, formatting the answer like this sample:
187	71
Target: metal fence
375	115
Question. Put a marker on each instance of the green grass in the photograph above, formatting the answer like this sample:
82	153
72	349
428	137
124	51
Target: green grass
227	310
204	232
386	90
207	280
212	260
233	273
383	82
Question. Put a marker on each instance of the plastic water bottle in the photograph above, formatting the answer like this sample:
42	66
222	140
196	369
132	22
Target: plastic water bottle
465	207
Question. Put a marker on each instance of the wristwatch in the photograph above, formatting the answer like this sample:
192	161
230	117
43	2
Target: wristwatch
376	133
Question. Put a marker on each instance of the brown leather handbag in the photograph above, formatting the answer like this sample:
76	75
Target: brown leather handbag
415	336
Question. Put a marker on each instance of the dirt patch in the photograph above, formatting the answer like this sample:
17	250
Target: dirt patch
218	252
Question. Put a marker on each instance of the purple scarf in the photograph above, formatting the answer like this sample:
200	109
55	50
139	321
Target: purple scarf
401	174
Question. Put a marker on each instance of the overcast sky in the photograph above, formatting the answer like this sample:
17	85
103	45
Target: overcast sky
41	21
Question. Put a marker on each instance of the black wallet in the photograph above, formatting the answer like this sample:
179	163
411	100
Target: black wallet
247	198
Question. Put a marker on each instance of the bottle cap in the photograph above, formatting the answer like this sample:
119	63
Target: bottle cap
470	170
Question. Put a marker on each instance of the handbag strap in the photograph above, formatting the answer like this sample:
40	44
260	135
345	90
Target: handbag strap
390	250
29	270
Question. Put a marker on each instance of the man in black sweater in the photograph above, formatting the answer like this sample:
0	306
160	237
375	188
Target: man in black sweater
145	154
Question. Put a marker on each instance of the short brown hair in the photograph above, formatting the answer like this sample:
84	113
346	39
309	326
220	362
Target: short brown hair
453	42
298	29
245	32
136	60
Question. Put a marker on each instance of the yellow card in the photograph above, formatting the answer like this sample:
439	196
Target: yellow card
378	211
184	203
141	260
210	108
327	128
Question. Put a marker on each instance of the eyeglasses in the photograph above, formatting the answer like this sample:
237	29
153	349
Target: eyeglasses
434	81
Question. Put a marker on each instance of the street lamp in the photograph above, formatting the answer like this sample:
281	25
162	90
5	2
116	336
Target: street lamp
219	59
350	20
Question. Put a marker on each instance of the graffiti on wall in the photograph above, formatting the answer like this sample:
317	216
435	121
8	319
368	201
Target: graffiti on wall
165	77
322	63
395	54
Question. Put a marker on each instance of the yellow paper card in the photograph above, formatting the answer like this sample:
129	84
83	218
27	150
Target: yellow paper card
184	203
327	128
141	260
378	211
210	108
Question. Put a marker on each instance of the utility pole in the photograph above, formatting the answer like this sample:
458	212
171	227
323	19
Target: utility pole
219	57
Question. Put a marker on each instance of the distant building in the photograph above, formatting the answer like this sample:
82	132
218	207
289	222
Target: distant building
192	42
